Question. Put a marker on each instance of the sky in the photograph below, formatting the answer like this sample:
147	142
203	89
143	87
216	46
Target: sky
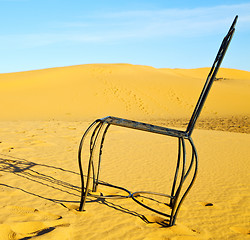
38	34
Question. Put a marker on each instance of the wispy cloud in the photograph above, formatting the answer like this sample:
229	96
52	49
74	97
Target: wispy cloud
118	26
166	22
14	0
43	39
180	22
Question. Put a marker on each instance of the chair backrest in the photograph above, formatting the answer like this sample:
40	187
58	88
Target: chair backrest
211	76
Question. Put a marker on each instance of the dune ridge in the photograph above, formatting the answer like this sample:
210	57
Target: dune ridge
84	92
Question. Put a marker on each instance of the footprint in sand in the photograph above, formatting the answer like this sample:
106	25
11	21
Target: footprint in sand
36	226
156	220
25	230
158	203
20	132
177	232
243	230
7	150
32	214
25	222
73	208
32	141
70	206
7	232
206	204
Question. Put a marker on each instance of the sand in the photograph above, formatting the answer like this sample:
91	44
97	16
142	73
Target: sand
44	114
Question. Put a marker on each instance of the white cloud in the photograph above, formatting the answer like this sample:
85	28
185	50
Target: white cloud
14	0
43	39
181	22
166	22
106	27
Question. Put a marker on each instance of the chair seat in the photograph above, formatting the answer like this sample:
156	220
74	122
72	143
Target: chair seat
143	126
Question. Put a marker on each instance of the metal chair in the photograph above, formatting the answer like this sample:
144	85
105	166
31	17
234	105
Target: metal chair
98	130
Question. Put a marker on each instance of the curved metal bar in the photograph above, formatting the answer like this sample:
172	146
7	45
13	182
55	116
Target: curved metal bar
94	136
177	193
80	160
174	195
176	170
211	77
103	183
100	156
112	196
90	165
190	166
192	181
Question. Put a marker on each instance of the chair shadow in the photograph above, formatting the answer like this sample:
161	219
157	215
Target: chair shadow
161	222
26	169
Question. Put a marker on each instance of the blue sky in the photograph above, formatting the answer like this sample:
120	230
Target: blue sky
37	34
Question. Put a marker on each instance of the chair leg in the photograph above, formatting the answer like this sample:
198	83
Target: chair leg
80	161
176	172
180	173
93	141
100	156
181	152
194	159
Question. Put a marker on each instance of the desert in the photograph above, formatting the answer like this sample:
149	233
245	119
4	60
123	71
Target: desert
44	114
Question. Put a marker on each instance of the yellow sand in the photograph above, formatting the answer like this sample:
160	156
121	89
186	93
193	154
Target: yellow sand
45	112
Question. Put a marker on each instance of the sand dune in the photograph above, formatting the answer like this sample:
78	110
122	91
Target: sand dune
133	91
45	112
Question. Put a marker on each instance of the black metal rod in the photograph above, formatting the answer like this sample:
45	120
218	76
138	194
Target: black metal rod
176	171
211	76
190	165
80	161
177	193
100	156
92	148
192	181
90	165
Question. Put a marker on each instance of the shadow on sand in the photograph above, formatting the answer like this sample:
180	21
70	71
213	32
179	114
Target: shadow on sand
38	173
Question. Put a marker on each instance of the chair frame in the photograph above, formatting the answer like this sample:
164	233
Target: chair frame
99	128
